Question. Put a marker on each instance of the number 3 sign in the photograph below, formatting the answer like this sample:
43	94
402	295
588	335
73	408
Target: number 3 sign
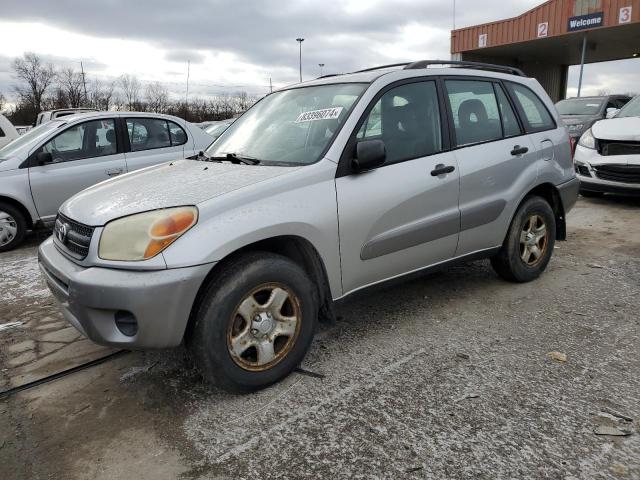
625	15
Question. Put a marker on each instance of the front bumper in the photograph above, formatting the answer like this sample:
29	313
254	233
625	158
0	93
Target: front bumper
585	159
160	300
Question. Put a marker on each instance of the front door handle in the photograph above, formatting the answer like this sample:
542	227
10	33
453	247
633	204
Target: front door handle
442	169
113	172
518	150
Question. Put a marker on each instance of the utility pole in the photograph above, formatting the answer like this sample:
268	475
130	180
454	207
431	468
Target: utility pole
84	82
454	14
584	52
300	40
321	65
186	98
270	86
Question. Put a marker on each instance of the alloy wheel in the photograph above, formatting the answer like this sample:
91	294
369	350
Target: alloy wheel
264	327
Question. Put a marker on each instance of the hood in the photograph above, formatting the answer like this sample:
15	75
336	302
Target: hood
625	128
184	182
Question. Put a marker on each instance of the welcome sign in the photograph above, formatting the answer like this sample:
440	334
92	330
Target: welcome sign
582	22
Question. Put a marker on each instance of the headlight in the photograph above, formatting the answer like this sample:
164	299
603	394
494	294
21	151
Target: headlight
144	235
587	140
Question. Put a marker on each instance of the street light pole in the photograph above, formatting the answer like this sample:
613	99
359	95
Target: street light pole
321	65
300	40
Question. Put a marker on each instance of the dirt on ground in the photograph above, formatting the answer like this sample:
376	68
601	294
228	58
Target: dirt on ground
456	375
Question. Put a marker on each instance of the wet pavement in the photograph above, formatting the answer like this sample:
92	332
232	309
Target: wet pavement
444	376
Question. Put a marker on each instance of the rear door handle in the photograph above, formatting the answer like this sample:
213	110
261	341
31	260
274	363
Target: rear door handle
518	150
112	172
441	170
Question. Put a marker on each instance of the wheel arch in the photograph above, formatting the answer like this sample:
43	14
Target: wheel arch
296	248
20	207
551	194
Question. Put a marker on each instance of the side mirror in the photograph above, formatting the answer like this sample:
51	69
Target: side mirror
370	154
43	158
612	112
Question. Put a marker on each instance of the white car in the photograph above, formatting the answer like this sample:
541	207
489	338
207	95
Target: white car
607	158
54	161
7	131
49	115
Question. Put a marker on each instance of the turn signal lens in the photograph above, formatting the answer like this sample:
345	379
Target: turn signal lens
144	235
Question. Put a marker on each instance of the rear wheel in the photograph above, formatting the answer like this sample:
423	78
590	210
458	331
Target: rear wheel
528	247
255	322
13	227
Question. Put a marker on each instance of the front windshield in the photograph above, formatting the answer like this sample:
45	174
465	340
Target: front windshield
580	106
289	127
32	135
631	109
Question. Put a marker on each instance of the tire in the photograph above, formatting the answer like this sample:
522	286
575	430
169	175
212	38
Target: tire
589	194
13	227
517	260
249	284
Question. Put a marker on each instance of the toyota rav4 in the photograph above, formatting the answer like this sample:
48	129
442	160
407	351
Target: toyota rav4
319	190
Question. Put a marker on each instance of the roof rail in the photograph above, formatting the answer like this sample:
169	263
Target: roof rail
404	64
462	63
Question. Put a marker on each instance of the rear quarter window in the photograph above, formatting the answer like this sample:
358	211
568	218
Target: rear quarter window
534	113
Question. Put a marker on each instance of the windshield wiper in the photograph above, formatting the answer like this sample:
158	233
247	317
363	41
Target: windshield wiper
233	158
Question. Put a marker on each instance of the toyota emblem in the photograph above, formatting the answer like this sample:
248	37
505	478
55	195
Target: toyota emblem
62	233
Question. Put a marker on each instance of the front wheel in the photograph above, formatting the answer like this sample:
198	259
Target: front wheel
13	227
528	247
255	322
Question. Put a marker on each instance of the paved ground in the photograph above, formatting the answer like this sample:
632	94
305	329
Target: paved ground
445	376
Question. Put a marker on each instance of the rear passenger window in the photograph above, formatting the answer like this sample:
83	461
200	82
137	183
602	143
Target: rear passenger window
148	133
475	111
178	135
509	120
1	133
536	116
407	120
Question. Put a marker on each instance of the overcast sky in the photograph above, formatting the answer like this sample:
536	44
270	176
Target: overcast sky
239	44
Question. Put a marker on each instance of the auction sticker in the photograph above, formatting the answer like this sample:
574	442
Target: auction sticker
325	114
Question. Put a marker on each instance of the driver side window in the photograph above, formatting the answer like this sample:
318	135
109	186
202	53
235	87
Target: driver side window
96	138
407	120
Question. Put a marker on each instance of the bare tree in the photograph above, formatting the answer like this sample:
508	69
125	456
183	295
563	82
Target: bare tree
102	95
71	84
130	87
3	101
36	79
603	93
157	97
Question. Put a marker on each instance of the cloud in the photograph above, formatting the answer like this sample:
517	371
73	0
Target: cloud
242	44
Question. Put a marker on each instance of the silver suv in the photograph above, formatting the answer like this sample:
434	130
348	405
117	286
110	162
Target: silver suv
319	190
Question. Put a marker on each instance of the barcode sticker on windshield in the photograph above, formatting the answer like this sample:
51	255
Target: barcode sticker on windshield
325	114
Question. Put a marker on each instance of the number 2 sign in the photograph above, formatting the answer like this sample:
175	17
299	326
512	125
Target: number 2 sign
625	15
543	29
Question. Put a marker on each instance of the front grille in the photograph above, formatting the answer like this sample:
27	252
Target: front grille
619	173
72	237
610	147
583	170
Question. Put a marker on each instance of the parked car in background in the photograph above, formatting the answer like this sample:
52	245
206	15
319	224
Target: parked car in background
49	115
47	165
7	131
578	114
204	125
319	190
607	157
22	129
216	129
